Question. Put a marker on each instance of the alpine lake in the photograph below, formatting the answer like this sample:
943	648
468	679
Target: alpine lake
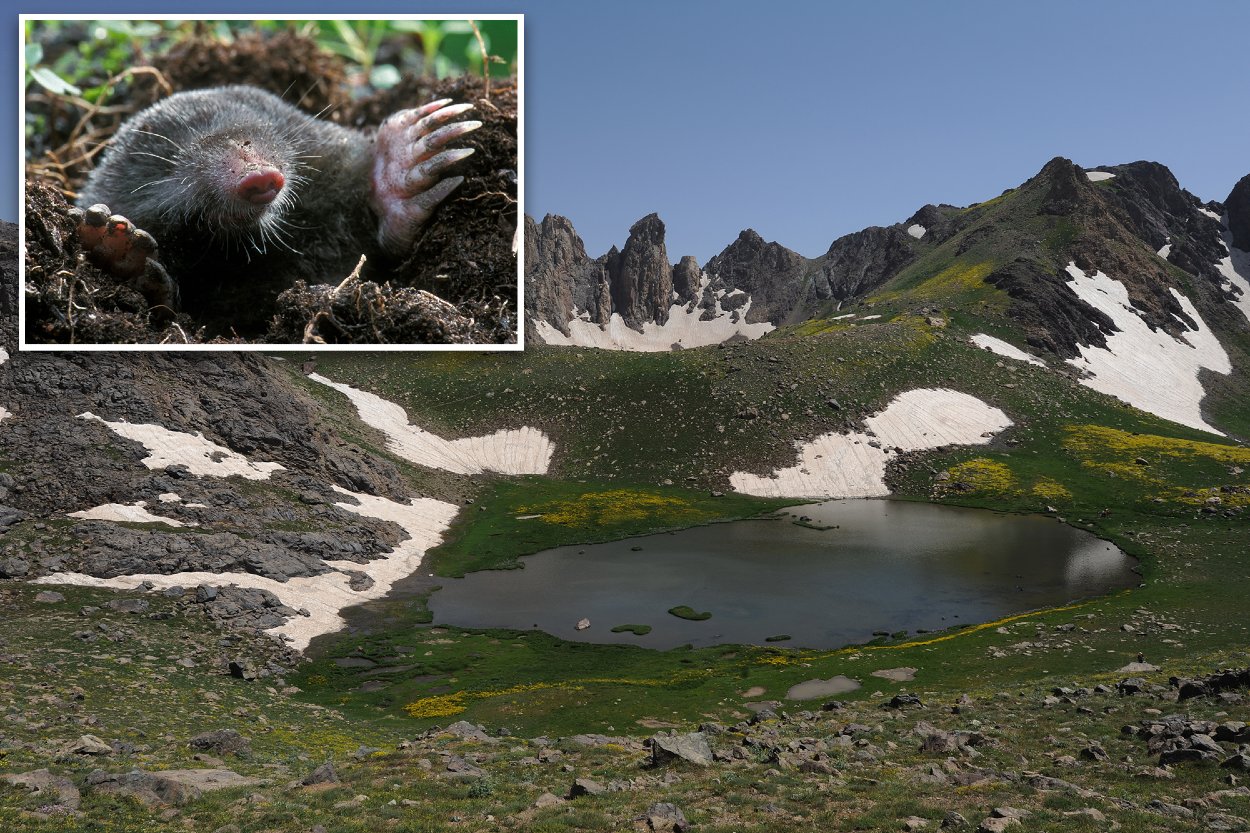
814	576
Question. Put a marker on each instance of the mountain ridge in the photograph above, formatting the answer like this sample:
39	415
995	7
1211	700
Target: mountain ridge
1119	218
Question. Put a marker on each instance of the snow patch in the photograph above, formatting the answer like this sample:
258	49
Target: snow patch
916	230
520	451
1099	176
1146	368
870	317
684	327
135	513
169	497
1235	270
1210	214
1165	251
201	456
853	464
1002	348
4	355
324	596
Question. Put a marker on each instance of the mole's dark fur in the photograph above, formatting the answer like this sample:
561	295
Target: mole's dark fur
244	194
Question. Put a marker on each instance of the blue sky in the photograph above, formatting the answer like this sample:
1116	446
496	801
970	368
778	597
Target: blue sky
809	120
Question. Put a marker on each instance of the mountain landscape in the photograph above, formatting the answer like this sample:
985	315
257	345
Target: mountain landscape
220	573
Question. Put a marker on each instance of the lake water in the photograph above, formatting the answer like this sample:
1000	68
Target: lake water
888	566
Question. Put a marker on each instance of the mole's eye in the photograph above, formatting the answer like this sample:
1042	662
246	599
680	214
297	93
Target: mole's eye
247	143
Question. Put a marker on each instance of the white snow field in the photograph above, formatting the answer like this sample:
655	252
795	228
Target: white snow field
1099	176
519	451
324	596
916	230
853	465
135	513
200	455
683	327
1146	368
1002	348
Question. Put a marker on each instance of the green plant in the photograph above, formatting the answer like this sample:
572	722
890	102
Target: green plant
687	612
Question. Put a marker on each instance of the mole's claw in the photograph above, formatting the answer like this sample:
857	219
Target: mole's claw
425	175
409	158
431	143
97	215
428	200
91	224
112	242
426	126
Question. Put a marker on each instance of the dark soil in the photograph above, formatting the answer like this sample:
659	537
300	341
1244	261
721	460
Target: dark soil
464	257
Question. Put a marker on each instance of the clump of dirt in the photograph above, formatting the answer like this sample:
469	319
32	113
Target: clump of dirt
284	63
357	312
465	257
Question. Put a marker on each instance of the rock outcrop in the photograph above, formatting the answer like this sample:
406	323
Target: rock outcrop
1238	207
640	275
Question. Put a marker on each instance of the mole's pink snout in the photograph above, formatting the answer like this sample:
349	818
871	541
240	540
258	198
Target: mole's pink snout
261	187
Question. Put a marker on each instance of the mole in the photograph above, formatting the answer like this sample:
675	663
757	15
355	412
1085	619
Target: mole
247	194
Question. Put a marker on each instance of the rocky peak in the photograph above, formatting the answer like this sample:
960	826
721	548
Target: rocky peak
863	260
1159	209
1238	207
640	275
555	259
771	274
686	279
1064	182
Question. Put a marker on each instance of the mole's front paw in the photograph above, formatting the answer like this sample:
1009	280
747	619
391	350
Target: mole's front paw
407	165
114	244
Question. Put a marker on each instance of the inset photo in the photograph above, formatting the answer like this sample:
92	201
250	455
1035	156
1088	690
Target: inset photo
242	183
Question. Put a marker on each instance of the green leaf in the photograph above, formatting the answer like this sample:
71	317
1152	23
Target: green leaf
34	54
52	82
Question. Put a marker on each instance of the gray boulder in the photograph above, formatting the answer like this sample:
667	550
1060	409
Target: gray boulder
692	747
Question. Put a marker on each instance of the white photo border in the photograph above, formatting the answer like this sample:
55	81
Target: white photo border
518	346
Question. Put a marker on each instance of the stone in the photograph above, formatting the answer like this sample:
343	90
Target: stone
14	568
129	605
1187	755
222	742
242	669
1165	809
666	817
44	784
692	747
954	821
904	701
915	823
49	597
1090	813
585	786
465	730
87	745
172	786
458	767
1239	762
1095	752
324	774
548	800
